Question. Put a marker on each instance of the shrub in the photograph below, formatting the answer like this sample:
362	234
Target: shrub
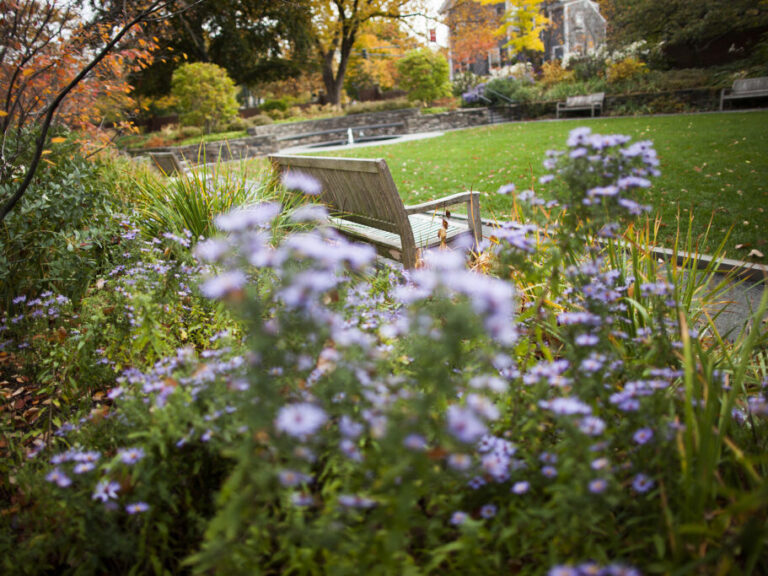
185	132
237	124
424	74
463	82
625	70
552	72
206	95
378	106
587	67
260	120
62	231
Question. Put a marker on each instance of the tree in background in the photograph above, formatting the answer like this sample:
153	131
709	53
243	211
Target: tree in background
373	63
692	26
523	24
473	26
337	26
256	41
425	75
205	95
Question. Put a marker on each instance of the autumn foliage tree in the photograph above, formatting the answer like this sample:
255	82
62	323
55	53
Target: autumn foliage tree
337	27
523	24
373	63
56	68
473	26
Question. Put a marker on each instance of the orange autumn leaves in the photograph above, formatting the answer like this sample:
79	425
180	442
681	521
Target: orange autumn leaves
45	47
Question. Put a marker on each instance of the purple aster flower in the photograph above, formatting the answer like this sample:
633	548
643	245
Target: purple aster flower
592	426
293	478
223	284
59	478
520	487
299	420
643	435
130	455
464	424
599	463
488	511
458	518
258	215
566	406
301	499
137	507
563	571
549	471
586	340
476	482
621	570
546	178
642	483
83	467
598	486
310	213
294	180
578	136
415	442
349	428
506	189
211	250
633	182
355	501
460	461
105	490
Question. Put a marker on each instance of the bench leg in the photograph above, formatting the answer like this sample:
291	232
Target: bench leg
473	218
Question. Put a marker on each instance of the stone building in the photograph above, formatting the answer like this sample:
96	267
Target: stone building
577	28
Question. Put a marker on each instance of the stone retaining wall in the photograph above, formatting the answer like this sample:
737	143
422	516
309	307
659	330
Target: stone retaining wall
224	150
283	132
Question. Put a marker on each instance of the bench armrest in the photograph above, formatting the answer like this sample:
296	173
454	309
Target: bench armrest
440	202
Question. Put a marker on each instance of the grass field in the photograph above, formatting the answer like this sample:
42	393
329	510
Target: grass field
713	166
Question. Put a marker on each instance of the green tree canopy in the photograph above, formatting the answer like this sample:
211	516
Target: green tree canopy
424	75
205	94
255	40
694	25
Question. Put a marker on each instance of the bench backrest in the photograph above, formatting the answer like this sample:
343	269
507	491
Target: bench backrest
167	162
751	85
586	100
362	190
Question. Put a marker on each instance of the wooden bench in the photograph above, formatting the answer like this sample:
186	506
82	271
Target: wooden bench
169	163
745	88
365	205
589	102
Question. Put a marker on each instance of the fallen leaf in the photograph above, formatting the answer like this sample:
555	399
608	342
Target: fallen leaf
755	254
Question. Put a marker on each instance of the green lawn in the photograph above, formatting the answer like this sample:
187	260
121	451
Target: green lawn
711	164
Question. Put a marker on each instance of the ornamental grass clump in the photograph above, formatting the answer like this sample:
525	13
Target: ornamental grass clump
382	421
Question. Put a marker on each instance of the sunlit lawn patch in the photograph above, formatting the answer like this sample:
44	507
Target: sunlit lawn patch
710	163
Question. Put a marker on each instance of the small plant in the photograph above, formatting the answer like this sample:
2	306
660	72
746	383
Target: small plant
187	204
625	70
552	72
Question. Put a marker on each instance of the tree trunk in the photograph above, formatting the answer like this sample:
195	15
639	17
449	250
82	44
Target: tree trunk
335	82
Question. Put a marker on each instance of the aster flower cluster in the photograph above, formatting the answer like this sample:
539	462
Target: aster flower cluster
602	174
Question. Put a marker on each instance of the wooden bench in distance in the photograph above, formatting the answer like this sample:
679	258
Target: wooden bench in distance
745	88
168	163
589	102
365	205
